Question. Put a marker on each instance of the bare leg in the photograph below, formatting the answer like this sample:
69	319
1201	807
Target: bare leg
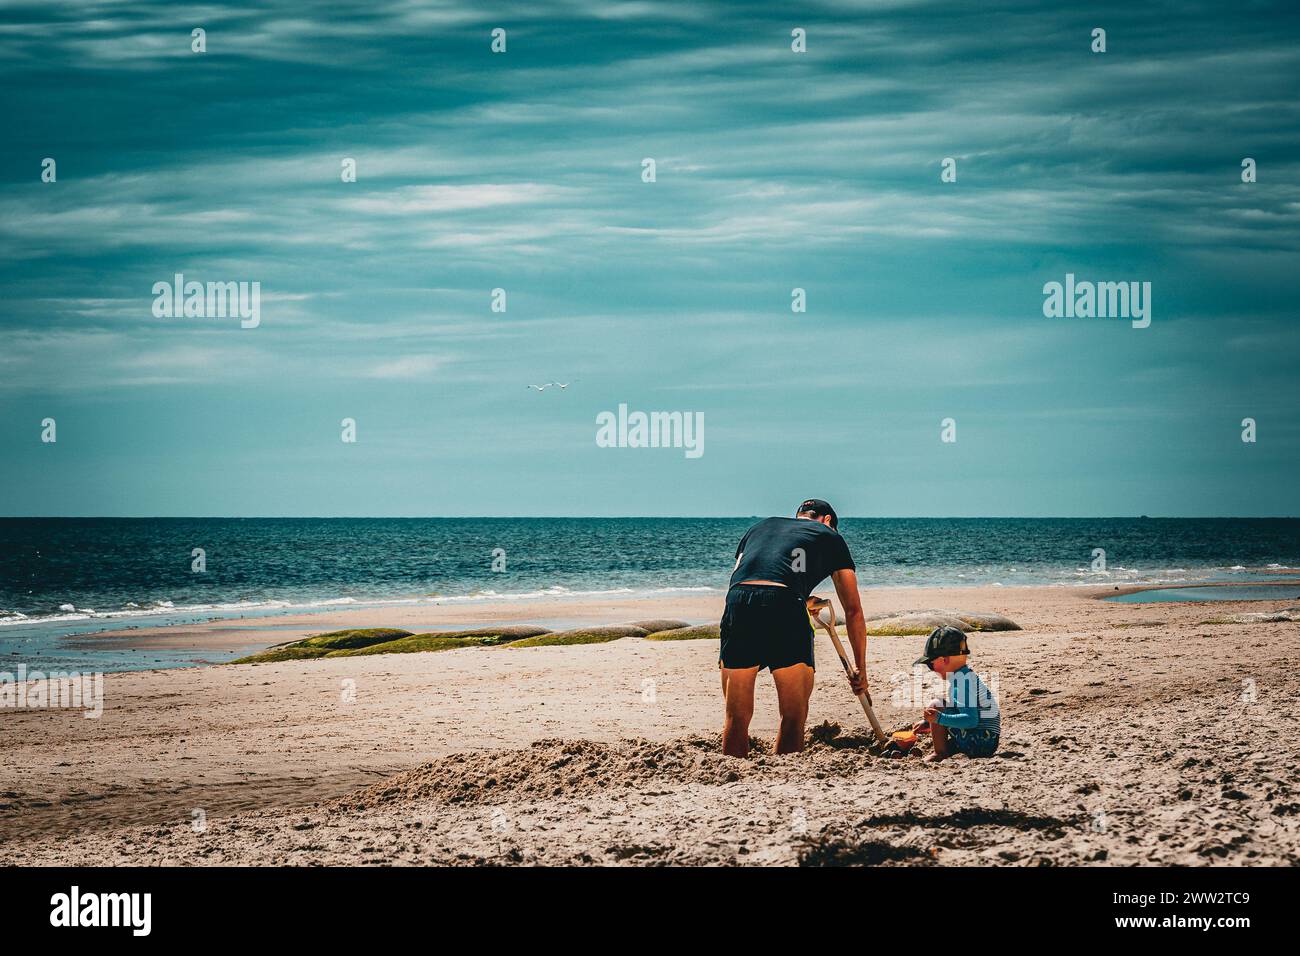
794	685
738	688
942	745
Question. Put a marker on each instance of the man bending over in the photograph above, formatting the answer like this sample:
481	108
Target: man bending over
765	624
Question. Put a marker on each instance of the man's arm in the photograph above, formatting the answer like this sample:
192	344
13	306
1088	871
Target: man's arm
846	586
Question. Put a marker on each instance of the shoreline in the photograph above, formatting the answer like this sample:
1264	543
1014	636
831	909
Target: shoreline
236	610
1276	575
238	636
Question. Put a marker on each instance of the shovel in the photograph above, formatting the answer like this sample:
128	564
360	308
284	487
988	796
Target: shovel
815	606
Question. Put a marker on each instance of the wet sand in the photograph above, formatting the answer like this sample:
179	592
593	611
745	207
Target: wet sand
1132	734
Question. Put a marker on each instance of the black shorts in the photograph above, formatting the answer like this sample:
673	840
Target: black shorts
765	626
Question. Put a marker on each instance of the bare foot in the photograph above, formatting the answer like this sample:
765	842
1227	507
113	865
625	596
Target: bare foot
932	758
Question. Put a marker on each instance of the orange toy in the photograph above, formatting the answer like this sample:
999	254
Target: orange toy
903	739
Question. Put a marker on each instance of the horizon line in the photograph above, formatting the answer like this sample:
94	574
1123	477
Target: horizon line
283	517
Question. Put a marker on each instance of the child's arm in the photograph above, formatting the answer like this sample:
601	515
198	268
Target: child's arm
964	713
960	718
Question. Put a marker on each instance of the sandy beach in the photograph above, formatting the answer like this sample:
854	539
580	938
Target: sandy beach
1133	734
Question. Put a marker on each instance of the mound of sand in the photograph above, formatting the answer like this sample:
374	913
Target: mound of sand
656	624
356	637
1260	617
323	645
582	635
420	644
360	642
555	768
701	632
513	632
549	768
923	622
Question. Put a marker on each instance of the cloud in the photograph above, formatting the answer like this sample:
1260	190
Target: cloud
413	200
775	170
406	367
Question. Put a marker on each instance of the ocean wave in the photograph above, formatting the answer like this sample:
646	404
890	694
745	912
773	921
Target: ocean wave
912	578
132	610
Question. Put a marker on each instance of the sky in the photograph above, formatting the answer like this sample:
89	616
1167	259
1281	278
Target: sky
523	171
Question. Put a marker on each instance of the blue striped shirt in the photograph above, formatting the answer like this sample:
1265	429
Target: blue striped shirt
970	704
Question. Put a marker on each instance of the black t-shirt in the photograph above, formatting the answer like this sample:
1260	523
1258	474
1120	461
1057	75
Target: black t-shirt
796	552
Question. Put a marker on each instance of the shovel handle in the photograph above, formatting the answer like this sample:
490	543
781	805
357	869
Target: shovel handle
851	672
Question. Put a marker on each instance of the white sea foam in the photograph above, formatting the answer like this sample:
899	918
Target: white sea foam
1062	576
133	610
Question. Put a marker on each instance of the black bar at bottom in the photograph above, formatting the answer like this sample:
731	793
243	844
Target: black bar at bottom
301	906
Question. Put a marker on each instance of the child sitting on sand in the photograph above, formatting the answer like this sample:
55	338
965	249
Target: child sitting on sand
970	722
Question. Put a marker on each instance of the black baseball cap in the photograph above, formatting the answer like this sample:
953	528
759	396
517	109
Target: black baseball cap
946	641
819	508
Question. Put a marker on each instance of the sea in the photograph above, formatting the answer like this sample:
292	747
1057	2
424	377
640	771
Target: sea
64	577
